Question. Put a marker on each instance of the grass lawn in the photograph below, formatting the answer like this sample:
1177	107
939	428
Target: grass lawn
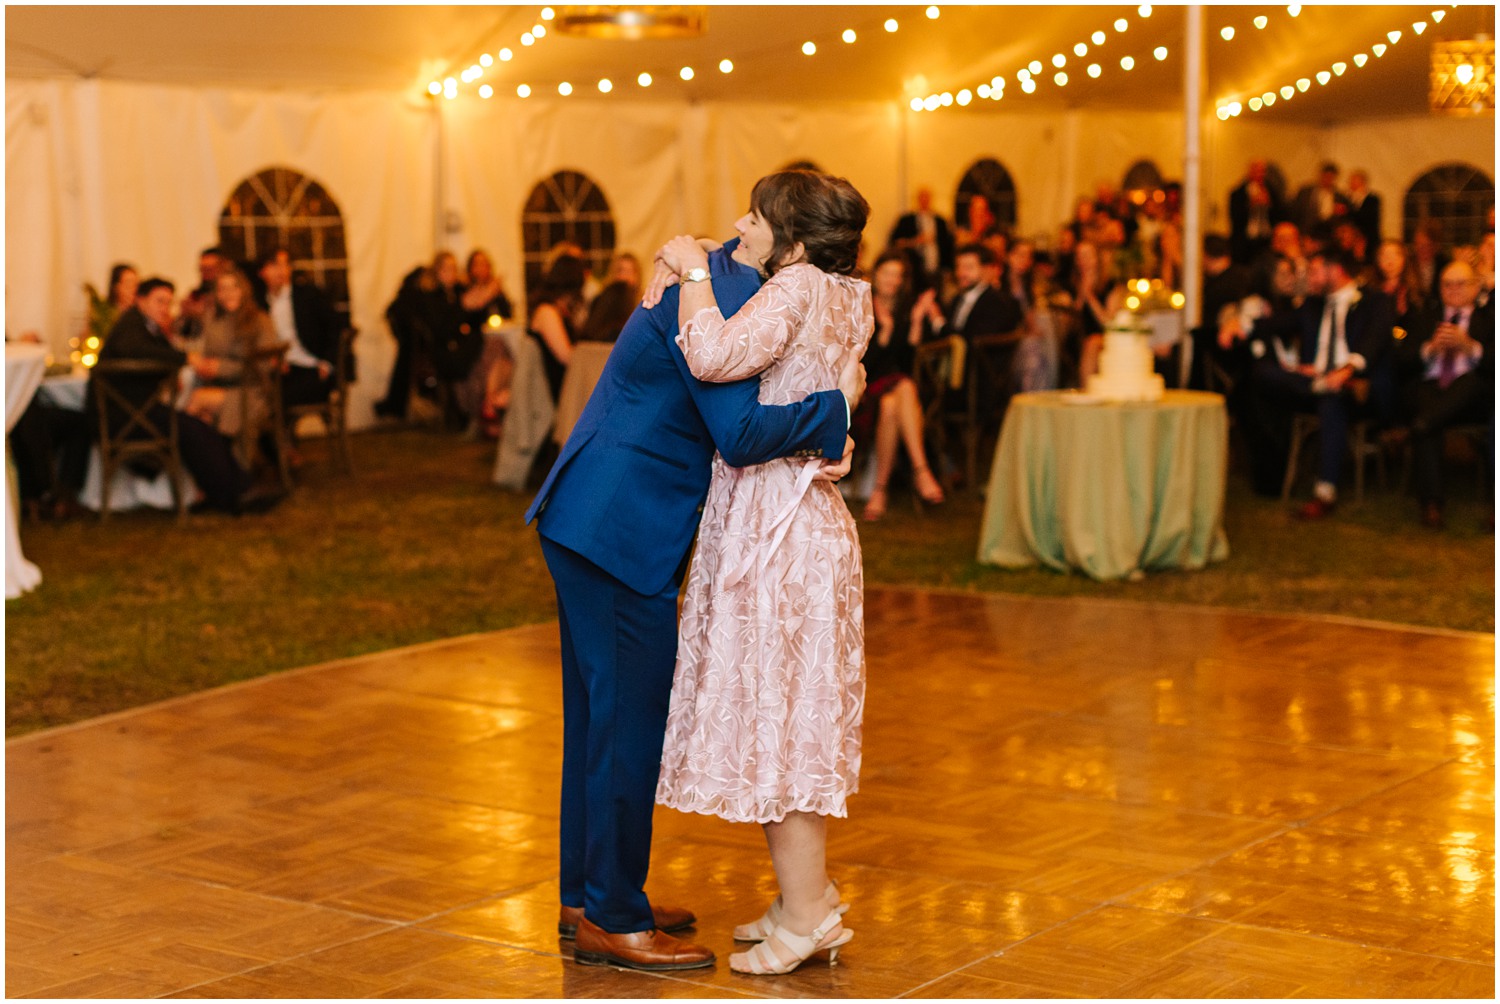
419	546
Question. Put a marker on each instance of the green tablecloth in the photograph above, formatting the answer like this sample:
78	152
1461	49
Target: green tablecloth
1108	489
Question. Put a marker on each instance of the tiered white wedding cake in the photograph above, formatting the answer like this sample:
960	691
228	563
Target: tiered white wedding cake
1126	371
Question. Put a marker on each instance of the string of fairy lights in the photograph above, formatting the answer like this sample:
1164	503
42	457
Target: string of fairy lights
1231	107
1087	59
449	87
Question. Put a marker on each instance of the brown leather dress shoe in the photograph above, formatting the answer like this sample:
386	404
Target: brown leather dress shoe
669	920
651	951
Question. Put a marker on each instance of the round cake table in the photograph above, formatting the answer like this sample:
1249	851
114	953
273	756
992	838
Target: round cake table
1109	489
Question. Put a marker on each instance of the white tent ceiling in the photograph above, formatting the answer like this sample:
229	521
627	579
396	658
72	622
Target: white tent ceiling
403	48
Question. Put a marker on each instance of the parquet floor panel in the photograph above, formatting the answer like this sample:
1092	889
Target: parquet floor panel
1059	798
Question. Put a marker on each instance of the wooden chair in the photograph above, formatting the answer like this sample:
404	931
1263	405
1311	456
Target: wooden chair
133	434
1362	447
261	380
333	412
943	411
990	383
1478	438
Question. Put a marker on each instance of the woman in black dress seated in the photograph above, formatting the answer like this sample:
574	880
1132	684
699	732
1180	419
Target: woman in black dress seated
890	412
551	321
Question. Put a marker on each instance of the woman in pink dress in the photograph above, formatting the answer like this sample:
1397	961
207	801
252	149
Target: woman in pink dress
767	701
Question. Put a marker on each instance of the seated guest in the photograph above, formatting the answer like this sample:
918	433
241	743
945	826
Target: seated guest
1343	340
624	267
405	315
890	413
977	308
1225	284
1016	277
1428	258
483	296
198	305
552	311
1396	278
119	297
1248	340
306	322
141	333
1450	358
236	327
609	312
455	344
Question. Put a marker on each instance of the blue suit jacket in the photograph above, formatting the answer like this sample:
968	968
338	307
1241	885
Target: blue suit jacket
627	490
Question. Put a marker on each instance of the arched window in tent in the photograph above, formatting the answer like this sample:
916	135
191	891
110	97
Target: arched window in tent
989	178
567	207
1456	197
280	207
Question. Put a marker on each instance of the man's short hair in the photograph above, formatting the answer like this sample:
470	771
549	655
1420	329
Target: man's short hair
1344	259
1215	246
216	251
1328	166
151	285
266	257
982	251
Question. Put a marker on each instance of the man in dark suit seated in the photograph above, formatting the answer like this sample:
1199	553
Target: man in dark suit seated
1329	357
141	333
307	323
1448	359
977	308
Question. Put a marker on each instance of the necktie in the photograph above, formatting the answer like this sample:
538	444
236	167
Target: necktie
1448	367
1325	339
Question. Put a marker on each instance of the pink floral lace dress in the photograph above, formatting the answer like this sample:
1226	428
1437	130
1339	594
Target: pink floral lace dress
769	692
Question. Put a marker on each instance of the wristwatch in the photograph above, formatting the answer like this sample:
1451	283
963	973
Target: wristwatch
695	275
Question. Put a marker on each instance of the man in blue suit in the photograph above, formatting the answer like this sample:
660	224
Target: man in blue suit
617	516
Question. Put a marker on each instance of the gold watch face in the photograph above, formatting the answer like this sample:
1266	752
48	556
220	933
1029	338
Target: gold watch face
697	274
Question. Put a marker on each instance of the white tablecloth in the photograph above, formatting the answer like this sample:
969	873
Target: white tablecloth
129	490
24	366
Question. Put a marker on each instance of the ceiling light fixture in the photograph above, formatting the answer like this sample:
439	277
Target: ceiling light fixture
632	23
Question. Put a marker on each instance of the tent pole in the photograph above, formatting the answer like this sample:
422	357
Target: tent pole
439	222
903	164
1192	186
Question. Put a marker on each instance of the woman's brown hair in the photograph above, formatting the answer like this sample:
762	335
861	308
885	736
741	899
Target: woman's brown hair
826	214
247	318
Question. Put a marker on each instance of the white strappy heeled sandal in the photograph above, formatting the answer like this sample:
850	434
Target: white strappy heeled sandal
760	929
763	960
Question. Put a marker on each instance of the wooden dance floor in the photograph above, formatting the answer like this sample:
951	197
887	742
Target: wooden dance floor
1060	798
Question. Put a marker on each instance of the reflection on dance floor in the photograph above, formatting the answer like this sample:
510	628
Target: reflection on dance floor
1059	797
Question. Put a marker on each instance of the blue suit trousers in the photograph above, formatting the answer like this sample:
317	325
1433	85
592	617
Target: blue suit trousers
619	650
